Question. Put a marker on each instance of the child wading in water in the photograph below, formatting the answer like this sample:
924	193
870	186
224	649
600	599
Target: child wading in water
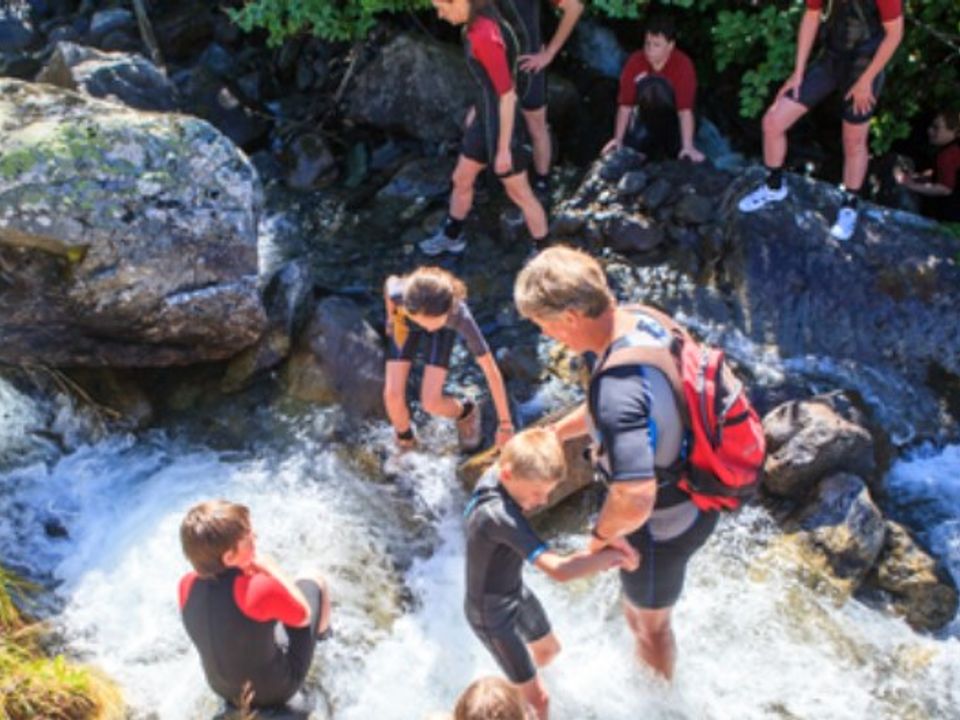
505	615
428	308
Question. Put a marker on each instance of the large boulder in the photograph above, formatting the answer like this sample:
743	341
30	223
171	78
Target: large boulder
338	359
415	85
810	439
126	238
127	78
919	589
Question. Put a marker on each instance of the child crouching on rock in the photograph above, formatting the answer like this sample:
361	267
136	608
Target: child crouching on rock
428	309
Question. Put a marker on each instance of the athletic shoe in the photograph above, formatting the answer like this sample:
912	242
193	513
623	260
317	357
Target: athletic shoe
761	197
439	243
846	224
468	430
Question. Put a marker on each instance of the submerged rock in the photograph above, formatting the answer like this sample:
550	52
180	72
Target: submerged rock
126	238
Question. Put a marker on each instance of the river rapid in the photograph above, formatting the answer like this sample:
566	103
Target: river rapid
95	517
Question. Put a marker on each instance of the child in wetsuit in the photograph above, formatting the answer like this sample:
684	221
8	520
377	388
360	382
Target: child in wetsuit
505	615
234	604
495	133
429	307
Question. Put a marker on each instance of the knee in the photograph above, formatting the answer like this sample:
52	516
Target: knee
547	655
772	125
462	182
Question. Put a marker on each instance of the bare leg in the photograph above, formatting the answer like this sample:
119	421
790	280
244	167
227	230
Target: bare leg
544	650
540	137
856	155
432	397
779	118
519	190
653	634
395	394
464	178
535	694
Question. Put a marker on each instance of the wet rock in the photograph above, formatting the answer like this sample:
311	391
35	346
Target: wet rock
655	194
418	86
632	183
920	590
808	440
117	394
183	28
122	77
597	46
844	525
126	238
119	41
218	60
619	162
423	178
633	234
309	161
105	22
338	359
693	210
567	224
205	95
16	32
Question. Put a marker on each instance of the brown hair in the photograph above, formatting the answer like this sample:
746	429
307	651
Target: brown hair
490	698
209	530
432	291
534	454
951	118
561	278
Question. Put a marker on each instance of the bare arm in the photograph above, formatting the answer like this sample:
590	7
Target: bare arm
572	10
928	189
499	393
572	425
627	507
619	128
688	126
891	41
564	568
508	108
806	37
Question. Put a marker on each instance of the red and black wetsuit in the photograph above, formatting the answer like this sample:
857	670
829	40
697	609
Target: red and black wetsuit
232	619
491	50
851	32
524	18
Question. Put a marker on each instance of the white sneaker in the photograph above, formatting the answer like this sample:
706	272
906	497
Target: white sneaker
846	224
439	243
761	197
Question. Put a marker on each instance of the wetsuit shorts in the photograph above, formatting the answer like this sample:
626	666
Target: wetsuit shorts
439	346
535	98
507	642
658	582
475	146
834	71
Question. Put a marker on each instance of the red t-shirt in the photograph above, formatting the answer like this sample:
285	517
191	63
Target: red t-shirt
678	71
889	9
260	597
488	47
948	163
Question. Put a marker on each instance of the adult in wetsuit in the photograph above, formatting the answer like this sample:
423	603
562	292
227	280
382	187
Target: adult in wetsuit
940	188
236	604
859	39
535	57
495	134
658	89
637	431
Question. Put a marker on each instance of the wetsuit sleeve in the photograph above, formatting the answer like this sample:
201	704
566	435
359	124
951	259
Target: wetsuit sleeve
262	598
628	86
685	82
488	47
626	424
948	162
186	584
467	328
890	9
512	529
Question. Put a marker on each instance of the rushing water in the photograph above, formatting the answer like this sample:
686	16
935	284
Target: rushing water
754	641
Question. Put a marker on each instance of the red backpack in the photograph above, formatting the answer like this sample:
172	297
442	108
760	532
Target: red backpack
727	446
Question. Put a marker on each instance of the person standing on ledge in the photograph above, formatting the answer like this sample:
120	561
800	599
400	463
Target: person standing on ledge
658	89
524	16
859	39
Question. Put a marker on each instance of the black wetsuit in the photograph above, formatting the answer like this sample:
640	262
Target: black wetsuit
489	32
639	433
524	18
502	611
236	649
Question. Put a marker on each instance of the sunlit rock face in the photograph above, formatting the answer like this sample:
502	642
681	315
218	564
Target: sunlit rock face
126	238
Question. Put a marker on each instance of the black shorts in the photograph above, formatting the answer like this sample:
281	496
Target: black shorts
477	146
535	96
832	71
507	641
658	582
439	346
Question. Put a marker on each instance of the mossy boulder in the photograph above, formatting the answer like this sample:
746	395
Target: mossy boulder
127	238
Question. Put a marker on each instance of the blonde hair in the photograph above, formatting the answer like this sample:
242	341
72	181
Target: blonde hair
209	530
561	278
534	454
432	291
490	698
